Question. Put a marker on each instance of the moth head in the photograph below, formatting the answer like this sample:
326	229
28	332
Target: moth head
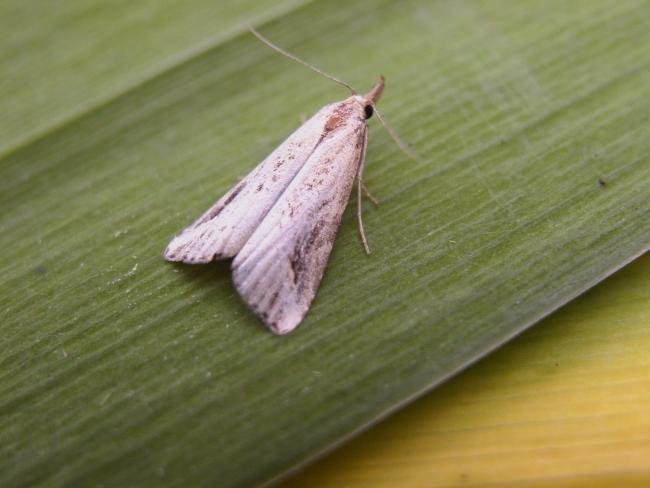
365	105
372	97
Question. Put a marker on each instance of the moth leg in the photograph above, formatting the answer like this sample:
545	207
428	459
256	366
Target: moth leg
360	187
360	219
369	195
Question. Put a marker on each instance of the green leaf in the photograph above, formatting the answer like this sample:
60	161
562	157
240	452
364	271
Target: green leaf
564	404
120	124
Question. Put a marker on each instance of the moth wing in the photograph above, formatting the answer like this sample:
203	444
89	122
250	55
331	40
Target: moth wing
279	269
222	231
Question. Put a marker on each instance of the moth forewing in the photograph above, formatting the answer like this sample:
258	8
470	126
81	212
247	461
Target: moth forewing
224	228
278	270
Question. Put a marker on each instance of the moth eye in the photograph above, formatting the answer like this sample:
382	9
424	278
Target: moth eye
368	110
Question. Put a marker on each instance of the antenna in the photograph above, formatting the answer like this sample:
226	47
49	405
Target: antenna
401	144
298	60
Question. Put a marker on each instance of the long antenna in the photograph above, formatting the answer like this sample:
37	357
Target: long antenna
401	144
298	60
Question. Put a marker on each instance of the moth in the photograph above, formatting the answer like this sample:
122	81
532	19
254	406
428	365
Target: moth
280	221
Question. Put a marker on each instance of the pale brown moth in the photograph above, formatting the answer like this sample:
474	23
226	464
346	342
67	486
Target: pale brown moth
279	222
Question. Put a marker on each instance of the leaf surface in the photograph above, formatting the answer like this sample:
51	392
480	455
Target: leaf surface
531	121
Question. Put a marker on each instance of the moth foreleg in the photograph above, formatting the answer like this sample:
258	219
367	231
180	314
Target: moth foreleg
369	195
360	187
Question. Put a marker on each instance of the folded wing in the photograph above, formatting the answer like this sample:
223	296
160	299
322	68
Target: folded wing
222	231
278	270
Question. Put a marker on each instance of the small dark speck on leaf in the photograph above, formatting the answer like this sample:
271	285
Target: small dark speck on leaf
40	269
602	182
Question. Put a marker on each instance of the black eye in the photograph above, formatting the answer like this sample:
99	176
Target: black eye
368	111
